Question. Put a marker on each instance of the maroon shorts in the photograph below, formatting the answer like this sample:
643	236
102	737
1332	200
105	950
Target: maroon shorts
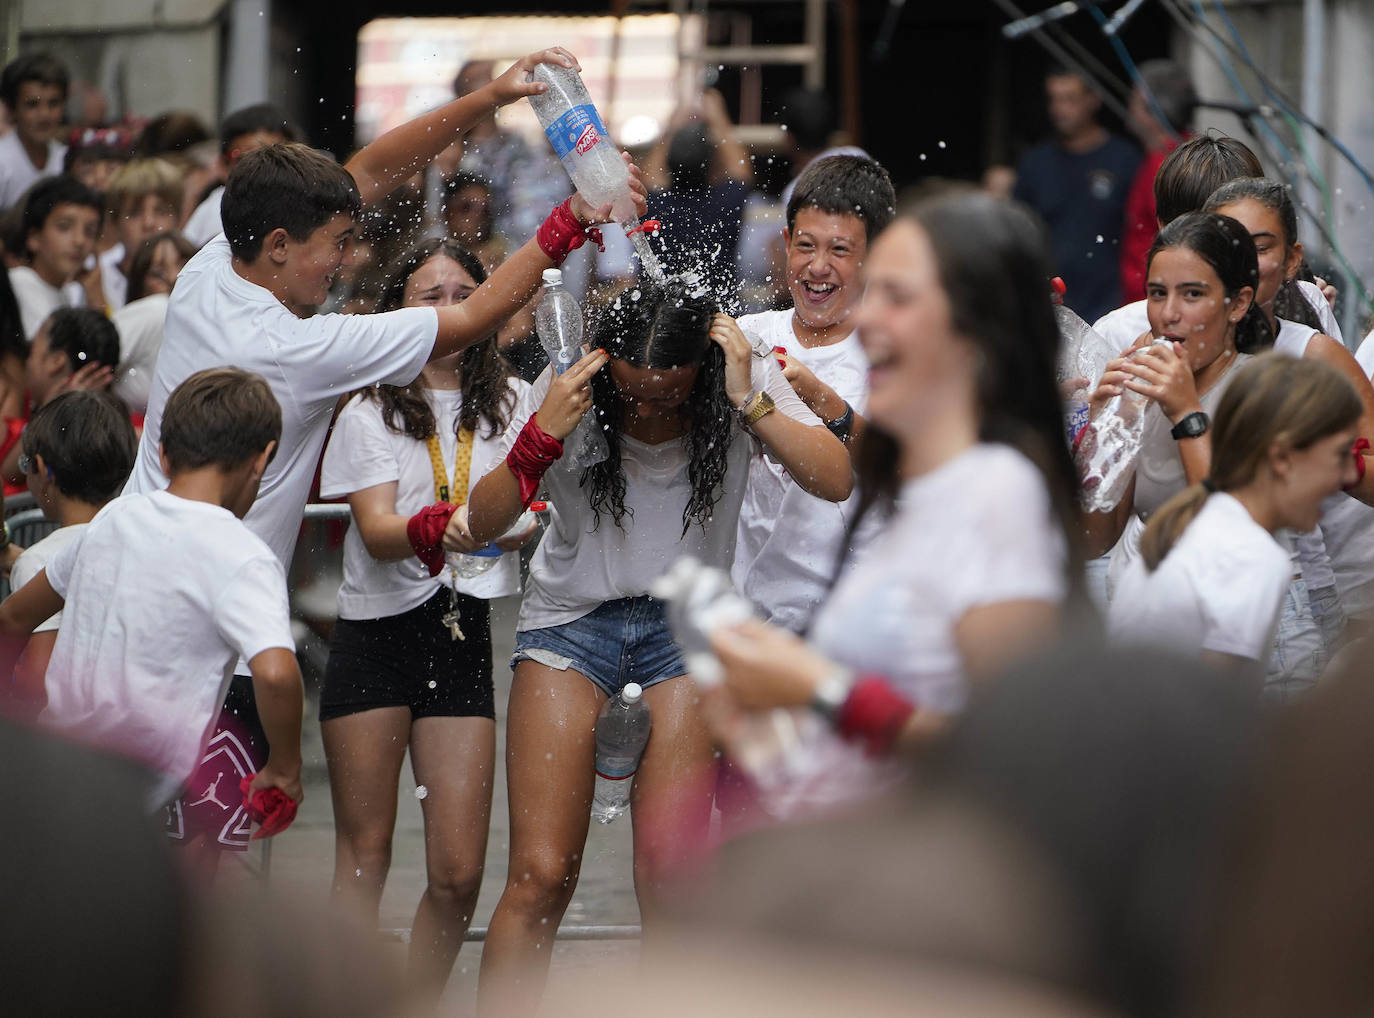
211	807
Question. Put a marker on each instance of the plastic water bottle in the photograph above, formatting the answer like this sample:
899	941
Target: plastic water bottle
1083	354
558	322
474	563
622	732
574	129
698	599
1105	450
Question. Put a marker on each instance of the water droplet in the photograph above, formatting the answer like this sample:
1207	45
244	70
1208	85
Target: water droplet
923	157
1099	238
433	684
421	791
942	145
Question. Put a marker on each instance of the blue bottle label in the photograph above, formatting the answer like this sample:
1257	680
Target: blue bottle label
578	130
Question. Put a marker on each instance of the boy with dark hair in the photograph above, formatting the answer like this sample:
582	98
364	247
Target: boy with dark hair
163	592
77	453
248	298
33	88
241	132
143	199
787	546
76	349
60	224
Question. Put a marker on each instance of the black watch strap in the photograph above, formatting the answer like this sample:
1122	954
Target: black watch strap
1192	426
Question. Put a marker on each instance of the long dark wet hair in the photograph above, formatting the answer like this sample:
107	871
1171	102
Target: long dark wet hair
993	263
486	392
665	326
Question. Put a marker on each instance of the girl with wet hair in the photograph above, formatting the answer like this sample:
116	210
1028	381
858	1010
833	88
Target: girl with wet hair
682	398
1211	578
403	672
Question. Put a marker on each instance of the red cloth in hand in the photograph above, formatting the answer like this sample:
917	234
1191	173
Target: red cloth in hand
561	234
874	713
270	808
533	453
425	530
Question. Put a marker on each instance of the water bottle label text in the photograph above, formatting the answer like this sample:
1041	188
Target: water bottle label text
578	130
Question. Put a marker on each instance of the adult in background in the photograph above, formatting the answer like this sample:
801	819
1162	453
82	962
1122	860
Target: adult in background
1159	111
1078	181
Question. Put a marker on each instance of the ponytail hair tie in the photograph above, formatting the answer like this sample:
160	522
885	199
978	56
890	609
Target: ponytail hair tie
1209	485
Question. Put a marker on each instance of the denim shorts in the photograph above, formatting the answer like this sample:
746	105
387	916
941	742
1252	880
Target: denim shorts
1299	653
626	640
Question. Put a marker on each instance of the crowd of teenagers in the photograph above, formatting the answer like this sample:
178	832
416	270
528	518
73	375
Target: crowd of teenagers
880	466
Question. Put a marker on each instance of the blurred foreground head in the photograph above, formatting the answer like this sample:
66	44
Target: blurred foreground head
1059	847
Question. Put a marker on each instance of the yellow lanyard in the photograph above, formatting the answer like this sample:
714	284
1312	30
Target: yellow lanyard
462	464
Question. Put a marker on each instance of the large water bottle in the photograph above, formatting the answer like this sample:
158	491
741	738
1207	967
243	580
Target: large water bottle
622	732
474	563
1105	450
1083	356
558	322
575	131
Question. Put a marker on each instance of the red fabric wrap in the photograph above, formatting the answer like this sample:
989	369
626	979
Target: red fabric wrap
1358	450
561	234
269	807
874	713
425	530
534	452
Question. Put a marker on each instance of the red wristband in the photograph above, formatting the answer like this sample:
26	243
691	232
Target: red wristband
534	451
561	234
1358	450
425	531
874	713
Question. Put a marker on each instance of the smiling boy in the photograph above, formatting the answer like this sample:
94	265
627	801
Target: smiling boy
788	541
34	90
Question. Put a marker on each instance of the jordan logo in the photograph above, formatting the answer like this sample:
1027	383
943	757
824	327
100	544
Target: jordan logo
210	795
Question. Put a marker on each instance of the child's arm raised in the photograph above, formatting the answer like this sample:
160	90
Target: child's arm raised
379	168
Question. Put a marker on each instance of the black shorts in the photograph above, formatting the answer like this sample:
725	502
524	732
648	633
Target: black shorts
409	660
212	804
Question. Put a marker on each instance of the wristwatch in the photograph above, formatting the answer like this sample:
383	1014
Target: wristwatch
756	408
832	692
842	426
1195	424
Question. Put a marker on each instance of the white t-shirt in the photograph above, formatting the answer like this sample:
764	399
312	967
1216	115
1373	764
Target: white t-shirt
1122	327
787	548
978	530
112	281
35	558
216	317
140	325
364	452
581	564
17	172
1220	588
37	298
205	223
1348	533
163	596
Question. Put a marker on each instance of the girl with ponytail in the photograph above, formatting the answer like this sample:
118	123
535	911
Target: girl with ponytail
1211	577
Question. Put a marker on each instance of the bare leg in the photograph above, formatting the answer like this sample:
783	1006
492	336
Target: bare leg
673	791
364	753
453	759
550	761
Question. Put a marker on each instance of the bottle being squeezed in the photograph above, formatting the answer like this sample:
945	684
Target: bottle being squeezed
474	563
622	732
574	129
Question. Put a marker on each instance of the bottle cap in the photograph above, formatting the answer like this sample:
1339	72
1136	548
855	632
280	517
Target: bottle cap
631	692
538	506
1057	289
552	277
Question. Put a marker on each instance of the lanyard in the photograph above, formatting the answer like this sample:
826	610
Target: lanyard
462	463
